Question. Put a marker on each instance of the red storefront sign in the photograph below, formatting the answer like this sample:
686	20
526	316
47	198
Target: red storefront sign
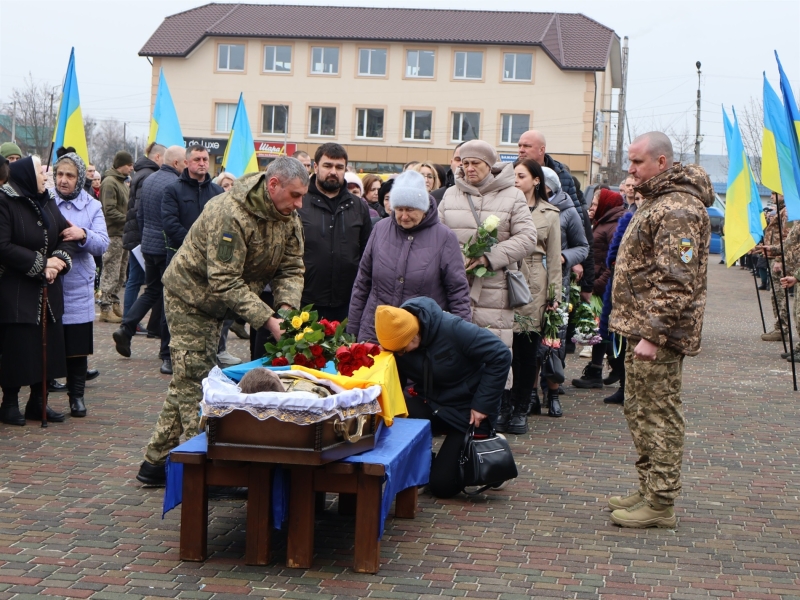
273	149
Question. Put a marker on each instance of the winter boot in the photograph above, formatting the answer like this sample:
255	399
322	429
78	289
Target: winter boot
555	405
9	409
535	406
592	377
518	423
33	409
76	384
617	397
501	425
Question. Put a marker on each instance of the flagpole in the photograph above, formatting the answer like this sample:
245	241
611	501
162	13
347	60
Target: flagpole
760	308
786	295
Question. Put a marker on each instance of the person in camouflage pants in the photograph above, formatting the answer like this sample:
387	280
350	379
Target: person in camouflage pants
244	239
771	246
658	299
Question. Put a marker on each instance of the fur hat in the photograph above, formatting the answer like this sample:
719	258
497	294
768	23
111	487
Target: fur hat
409	191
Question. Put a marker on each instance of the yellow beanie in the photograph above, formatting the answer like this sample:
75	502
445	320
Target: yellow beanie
395	327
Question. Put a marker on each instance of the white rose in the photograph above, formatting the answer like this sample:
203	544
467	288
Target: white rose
491	223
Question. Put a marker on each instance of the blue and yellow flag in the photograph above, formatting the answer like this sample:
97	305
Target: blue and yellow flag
69	129
744	221
165	129
240	153
789	102
780	167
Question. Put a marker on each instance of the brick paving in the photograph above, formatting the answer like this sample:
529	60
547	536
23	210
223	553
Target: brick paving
75	524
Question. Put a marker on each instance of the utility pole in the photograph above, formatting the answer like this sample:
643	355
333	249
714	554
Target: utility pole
124	134
136	148
698	138
621	120
14	123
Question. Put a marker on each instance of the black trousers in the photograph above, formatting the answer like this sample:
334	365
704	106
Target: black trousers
524	365
154	267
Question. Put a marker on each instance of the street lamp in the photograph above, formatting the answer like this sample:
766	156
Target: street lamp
698	138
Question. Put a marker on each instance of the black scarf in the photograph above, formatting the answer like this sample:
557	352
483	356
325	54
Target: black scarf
23	178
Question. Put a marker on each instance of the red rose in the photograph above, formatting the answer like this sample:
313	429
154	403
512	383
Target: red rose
359	352
279	361
343	354
316	350
369	361
335	324
320	362
345	368
412	392
300	359
372	349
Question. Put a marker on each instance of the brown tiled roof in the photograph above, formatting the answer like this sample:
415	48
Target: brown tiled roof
572	40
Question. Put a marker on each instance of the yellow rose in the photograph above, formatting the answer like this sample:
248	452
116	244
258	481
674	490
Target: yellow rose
297	322
305	316
299	336
307	330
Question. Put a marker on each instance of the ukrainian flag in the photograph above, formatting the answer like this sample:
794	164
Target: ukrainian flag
791	106
240	153
780	166
69	129
744	221
165	129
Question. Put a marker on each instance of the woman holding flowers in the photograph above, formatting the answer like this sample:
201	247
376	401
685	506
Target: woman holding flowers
485	188
408	255
542	269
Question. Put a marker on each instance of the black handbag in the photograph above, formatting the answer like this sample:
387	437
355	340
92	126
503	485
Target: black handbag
485	462
552	369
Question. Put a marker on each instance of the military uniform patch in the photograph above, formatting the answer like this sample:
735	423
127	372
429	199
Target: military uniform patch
225	247
687	250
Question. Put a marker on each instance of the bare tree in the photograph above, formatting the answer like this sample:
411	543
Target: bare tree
682	143
751	124
36	113
108	138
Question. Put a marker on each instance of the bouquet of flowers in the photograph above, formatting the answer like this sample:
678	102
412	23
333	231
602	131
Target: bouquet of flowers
351	358
554	320
587	322
574	292
485	238
307	340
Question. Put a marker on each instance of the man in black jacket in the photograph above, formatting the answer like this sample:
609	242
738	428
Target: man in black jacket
142	169
336	226
450	181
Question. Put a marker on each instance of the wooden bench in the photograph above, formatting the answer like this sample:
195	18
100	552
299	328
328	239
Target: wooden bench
359	485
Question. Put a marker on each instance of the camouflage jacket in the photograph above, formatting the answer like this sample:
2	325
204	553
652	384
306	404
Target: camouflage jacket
772	241
791	247
238	245
659	288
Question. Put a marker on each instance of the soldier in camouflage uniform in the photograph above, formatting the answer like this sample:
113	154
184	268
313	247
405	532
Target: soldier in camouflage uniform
772	247
244	239
791	274
658	299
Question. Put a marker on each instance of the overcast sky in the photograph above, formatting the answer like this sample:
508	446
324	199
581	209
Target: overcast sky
734	40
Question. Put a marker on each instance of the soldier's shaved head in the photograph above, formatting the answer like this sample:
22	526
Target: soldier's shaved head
649	155
656	144
175	154
532	145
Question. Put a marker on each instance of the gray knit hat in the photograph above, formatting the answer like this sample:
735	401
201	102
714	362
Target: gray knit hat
480	150
122	159
551	180
409	191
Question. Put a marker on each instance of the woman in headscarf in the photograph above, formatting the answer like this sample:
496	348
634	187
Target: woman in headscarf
485	187
87	228
33	254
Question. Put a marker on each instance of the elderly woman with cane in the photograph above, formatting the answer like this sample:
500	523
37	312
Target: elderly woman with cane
87	228
31	248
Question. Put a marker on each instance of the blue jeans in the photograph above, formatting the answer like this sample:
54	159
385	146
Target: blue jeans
135	283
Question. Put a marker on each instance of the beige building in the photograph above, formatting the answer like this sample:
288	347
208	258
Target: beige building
391	85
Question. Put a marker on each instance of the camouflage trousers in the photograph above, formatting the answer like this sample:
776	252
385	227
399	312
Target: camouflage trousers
654	413
194	337
780	308
115	271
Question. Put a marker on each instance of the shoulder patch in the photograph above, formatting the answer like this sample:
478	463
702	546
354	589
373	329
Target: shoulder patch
687	250
225	247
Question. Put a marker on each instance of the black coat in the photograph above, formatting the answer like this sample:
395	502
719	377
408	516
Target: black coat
25	246
457	367
131	236
335	240
438	194
182	204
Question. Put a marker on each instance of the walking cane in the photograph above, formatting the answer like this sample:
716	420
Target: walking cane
44	351
760	308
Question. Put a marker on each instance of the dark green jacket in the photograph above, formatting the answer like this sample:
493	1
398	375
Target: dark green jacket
114	198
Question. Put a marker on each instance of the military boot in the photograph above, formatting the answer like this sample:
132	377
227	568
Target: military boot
501	425
645	514
772	336
592	377
107	315
617	502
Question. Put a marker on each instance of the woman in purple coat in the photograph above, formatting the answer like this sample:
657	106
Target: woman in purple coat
87	228
408	255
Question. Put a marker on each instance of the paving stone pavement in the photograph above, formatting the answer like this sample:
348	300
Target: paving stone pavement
75	523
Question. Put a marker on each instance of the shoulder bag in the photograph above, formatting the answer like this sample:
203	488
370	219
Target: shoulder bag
485	462
519	294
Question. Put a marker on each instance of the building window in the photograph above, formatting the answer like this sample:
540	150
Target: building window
466	126
325	60
469	65
369	123
517	67
419	63
513	127
224	117
418	125
230	57
322	120
277	59
274	118
372	61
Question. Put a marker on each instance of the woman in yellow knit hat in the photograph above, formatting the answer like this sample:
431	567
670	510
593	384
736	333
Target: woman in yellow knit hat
458	369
